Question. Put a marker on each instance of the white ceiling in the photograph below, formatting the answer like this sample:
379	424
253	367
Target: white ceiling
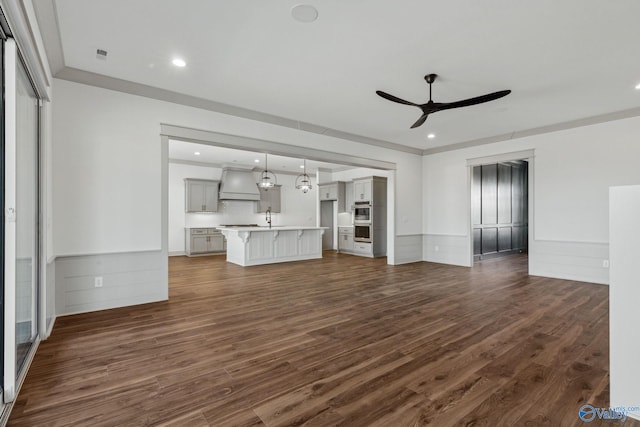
564	60
222	156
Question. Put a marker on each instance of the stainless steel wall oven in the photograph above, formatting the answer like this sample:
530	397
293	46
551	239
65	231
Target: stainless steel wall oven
362	232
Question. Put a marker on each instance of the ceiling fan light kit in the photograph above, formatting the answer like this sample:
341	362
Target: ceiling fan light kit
431	107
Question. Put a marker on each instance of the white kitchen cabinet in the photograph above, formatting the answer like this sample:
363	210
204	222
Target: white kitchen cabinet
270	198
333	191
262	245
348	197
204	240
199	244
362	190
201	195
362	248
373	191
328	191
345	239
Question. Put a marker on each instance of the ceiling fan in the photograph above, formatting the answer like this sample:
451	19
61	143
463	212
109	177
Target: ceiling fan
433	107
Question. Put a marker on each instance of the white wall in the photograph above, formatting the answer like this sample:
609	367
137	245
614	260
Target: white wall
624	296
107	165
572	171
298	208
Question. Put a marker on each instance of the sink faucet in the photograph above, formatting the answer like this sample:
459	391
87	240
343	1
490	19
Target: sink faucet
269	216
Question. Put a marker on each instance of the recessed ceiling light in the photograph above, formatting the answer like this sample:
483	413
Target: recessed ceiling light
301	166
257	161
197	153
304	13
431	135
179	62
638	86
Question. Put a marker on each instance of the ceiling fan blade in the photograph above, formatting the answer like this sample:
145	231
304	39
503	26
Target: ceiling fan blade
420	121
473	101
394	98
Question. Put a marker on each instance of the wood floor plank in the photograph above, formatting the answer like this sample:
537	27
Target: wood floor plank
341	340
306	402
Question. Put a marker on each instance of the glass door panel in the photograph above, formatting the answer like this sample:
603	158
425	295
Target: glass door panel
21	219
26	215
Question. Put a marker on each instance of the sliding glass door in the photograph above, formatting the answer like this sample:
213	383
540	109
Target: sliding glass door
21	248
26	215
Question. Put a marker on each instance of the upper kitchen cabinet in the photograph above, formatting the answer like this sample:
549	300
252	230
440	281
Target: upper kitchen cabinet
270	198
201	195
333	191
348	196
362	190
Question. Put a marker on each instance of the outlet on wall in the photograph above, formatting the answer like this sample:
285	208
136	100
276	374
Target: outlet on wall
97	282
436	248
605	263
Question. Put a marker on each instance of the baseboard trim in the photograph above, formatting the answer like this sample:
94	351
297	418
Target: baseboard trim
51	325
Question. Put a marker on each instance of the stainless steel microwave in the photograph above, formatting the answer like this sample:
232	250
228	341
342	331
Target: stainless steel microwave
362	212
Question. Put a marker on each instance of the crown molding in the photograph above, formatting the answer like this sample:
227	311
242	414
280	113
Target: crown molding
602	118
98	80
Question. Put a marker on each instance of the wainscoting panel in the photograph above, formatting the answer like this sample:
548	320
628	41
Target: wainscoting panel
127	279
408	248
447	249
582	261
50	299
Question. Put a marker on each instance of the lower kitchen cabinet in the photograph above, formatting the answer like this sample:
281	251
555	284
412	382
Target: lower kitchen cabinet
345	239
348	245
204	241
362	248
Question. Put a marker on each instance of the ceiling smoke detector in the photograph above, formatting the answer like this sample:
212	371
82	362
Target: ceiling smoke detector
304	13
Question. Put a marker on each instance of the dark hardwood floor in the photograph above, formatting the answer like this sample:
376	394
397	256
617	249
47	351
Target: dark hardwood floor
339	341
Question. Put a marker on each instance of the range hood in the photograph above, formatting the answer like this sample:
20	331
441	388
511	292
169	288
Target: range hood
238	184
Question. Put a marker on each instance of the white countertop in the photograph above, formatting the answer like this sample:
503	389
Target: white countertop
274	228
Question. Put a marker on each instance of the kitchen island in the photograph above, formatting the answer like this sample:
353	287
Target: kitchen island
263	245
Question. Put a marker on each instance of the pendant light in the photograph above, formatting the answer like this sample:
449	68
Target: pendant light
267	178
303	182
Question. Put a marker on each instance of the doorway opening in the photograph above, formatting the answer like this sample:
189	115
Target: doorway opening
499	209
332	167
501	206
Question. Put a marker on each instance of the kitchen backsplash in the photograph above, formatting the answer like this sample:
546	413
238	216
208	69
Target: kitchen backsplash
230	212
